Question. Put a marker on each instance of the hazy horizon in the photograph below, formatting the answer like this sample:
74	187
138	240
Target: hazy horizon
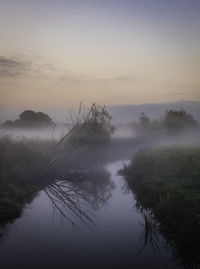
126	113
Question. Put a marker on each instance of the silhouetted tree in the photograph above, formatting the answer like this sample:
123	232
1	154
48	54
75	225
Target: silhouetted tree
144	120
178	119
92	126
172	121
30	118
27	115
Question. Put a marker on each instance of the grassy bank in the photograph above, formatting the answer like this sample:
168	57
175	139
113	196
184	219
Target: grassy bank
21	165
166	182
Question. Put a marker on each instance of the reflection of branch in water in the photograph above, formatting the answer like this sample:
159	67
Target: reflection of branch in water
67	201
3	231
77	199
151	232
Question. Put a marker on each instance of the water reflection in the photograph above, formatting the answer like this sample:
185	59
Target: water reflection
114	244
75	199
79	196
171	226
3	231
150	236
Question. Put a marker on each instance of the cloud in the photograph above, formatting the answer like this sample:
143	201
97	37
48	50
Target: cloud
77	79
175	93
35	67
5	62
124	78
13	68
27	66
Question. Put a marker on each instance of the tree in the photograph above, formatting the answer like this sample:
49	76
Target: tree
178	120
95	125
30	118
144	120
172	121
144	124
28	115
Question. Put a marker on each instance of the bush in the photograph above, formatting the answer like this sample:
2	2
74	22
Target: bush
94	126
172	121
178	120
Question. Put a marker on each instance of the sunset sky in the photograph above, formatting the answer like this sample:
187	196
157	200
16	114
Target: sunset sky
55	53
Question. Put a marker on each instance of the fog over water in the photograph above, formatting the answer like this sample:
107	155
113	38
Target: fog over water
88	215
48	240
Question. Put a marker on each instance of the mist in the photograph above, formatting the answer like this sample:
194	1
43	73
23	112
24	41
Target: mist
89	167
99	134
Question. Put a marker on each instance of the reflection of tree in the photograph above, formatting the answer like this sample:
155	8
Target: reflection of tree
184	244
78	198
179	227
150	235
3	230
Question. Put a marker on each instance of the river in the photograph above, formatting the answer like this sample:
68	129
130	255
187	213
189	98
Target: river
41	238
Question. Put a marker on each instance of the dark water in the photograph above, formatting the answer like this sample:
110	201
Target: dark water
41	238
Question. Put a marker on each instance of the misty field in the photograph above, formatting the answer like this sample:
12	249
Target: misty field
74	174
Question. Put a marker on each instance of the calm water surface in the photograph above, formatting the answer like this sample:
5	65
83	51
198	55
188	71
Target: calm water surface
41	238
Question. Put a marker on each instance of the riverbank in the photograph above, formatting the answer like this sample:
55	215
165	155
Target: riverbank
21	164
166	184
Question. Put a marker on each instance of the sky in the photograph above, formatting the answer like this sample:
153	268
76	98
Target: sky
55	53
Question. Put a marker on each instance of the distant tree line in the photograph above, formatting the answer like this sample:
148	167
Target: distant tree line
173	120
30	118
